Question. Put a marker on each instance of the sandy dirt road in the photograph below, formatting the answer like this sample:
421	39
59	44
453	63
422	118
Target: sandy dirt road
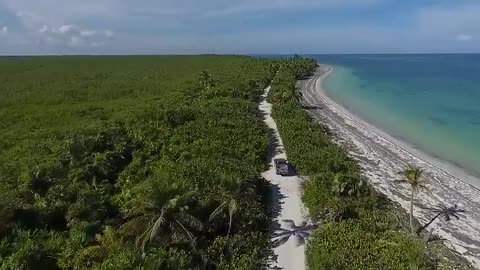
290	227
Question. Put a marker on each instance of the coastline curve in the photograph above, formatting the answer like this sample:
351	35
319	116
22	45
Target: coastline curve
382	156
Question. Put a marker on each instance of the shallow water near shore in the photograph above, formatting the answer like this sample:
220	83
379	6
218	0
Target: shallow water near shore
381	157
430	101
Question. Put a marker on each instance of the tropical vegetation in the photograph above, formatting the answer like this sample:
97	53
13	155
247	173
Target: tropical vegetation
133	162
154	163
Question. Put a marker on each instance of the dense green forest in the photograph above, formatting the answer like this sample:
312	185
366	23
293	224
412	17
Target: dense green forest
359	229
133	162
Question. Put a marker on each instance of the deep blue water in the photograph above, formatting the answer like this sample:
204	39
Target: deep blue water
430	101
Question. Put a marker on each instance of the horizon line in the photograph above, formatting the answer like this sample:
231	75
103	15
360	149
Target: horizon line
240	54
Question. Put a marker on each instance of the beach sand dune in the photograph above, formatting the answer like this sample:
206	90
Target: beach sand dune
382	157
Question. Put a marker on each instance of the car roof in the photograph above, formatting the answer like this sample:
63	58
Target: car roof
280	160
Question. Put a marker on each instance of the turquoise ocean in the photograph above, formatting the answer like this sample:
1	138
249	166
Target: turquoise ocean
431	102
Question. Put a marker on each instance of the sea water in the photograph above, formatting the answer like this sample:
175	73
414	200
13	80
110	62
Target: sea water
429	101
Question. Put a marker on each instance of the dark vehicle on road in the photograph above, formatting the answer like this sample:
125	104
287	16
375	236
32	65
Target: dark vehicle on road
281	166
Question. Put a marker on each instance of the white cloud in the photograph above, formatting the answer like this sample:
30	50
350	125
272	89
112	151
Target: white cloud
97	44
29	20
448	21
75	41
4	31
464	37
61	11
74	30
72	36
109	33
65	29
60	34
44	29
60	22
182	25
48	32
238	7
88	33
65	9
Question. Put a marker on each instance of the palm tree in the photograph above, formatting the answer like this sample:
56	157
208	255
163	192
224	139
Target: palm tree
158	207
227	199
442	211
174	215
229	204
412	176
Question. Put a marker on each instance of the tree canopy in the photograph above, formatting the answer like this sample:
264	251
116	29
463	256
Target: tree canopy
133	162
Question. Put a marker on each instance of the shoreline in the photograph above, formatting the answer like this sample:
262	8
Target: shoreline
448	167
381	156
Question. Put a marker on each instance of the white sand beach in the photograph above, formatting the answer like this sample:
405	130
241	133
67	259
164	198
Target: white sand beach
381	157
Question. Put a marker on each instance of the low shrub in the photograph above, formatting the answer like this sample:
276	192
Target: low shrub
348	245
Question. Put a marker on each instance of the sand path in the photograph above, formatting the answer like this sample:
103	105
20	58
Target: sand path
290	229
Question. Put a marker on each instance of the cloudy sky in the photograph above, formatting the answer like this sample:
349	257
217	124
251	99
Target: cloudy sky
238	26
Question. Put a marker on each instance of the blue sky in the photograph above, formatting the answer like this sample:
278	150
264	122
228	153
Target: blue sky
238	26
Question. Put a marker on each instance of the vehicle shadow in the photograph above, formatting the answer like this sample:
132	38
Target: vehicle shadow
291	171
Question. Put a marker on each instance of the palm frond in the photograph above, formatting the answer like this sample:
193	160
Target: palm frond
217	211
289	223
232	209
186	197
187	232
134	226
156	226
413	176
190	220
144	239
